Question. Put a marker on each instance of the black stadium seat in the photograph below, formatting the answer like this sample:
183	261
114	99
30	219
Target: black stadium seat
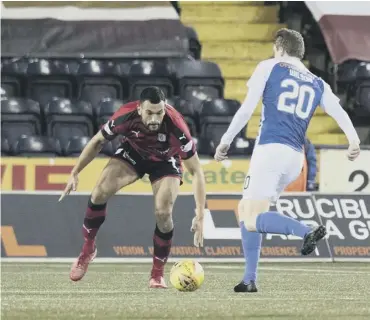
150	73
363	99
195	47
187	110
347	72
201	79
5	147
98	80
27	146
106	108
215	118
13	76
109	106
109	148
363	71
74	146
66	119
20	117
47	79
220	107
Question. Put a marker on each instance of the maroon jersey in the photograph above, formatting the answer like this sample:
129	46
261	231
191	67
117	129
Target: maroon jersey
172	139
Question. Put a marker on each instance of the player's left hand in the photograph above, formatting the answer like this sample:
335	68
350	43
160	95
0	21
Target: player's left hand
221	152
353	151
197	228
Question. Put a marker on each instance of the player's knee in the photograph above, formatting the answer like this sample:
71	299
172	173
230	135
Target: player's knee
100	195
163	216
249	211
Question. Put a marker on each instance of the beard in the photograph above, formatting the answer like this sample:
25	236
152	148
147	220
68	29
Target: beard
153	126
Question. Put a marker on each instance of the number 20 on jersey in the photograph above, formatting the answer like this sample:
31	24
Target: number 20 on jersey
297	99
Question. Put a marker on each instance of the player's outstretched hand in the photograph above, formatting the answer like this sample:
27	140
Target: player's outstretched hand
353	151
71	185
221	152
197	228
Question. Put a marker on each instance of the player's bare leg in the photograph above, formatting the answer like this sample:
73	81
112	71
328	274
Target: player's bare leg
116	175
165	193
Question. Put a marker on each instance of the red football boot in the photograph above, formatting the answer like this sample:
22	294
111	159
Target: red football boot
157	283
79	267
157	280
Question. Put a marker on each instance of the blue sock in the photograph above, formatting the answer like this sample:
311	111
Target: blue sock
275	222
251	247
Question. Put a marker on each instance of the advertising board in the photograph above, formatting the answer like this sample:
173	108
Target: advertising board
36	225
51	174
337	174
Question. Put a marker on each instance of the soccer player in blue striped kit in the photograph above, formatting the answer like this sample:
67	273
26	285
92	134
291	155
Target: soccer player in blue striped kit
290	95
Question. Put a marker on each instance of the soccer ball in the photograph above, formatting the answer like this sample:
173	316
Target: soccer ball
187	275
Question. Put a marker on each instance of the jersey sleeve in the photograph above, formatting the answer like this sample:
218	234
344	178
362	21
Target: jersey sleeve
330	104
259	77
256	85
116	125
329	99
183	141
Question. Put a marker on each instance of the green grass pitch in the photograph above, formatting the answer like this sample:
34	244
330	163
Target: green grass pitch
120	291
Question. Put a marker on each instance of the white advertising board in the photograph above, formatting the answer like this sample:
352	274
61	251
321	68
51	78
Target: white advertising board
338	174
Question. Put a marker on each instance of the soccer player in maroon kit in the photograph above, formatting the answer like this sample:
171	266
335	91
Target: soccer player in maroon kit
155	141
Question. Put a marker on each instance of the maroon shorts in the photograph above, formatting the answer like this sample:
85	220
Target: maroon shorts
155	169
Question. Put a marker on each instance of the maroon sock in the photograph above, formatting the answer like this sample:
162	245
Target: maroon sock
162	247
94	218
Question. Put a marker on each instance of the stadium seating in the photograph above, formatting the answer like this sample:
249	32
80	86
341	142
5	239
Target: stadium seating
66	119
98	80
216	116
47	79
363	97
74	146
5	147
20	117
146	73
13	77
106	108
71	98
109	148
195	47
199	79
187	110
363	89
28	146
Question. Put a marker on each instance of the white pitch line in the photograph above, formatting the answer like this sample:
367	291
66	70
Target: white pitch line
67	272
54	292
318	271
206	267
281	271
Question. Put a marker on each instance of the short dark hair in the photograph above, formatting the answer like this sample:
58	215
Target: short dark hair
153	95
291	42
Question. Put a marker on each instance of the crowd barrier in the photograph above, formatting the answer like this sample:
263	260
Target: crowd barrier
35	226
